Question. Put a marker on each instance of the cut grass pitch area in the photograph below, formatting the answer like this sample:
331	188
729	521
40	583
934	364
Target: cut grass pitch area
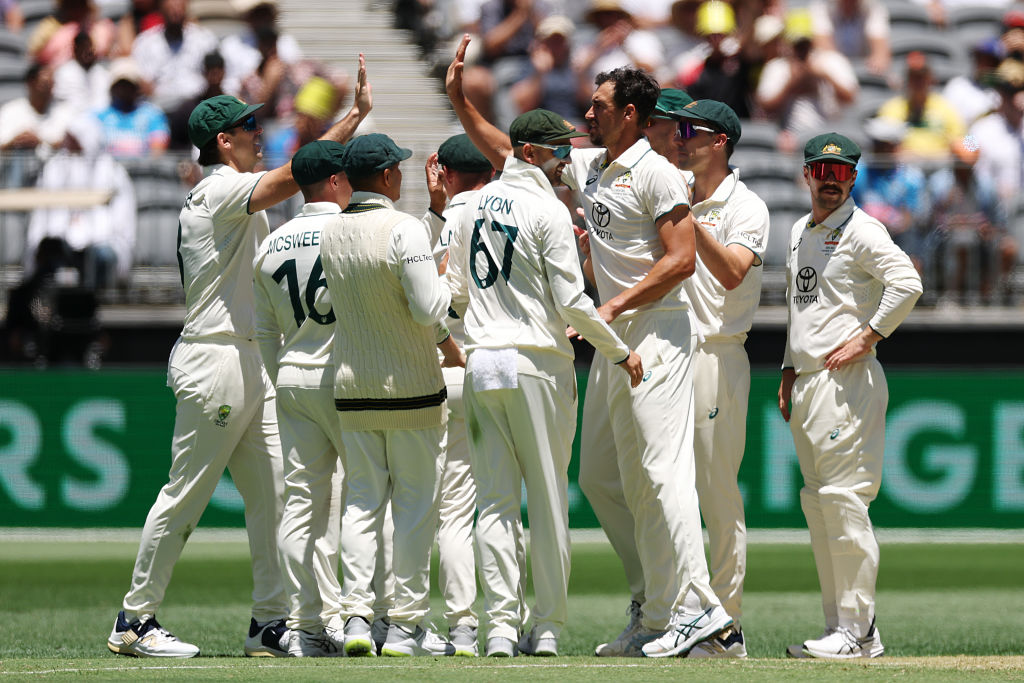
944	612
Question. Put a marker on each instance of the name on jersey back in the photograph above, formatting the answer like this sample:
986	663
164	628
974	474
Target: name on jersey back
310	238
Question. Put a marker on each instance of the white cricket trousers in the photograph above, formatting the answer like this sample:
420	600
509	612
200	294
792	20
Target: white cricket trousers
838	425
225	418
457	508
403	467
523	435
313	476
652	427
721	387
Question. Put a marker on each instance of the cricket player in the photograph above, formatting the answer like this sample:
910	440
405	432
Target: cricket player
295	332
389	394
225	415
463	172
516	277
636	467
848	287
731	229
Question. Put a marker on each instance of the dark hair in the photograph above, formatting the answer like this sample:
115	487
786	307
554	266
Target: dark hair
213	60
313	189
82	38
33	71
632	86
209	153
363	181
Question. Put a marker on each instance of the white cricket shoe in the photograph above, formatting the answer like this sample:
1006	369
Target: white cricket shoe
499	646
379	632
729	644
463	639
358	641
146	638
796	651
842	644
686	630
619	646
306	644
267	639
402	642
533	646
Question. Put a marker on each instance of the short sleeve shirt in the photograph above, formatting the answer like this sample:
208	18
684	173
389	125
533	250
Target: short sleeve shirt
733	215
217	240
622	200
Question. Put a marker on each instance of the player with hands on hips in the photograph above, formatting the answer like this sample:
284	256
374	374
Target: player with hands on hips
848	287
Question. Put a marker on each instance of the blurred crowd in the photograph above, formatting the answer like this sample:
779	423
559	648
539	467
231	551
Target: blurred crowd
103	95
934	88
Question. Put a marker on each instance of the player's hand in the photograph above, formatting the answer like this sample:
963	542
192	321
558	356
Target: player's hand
364	92
442	266
857	347
435	188
634	368
453	79
786	392
453	355
572	333
583	239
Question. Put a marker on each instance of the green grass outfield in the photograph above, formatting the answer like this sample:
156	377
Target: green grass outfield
945	611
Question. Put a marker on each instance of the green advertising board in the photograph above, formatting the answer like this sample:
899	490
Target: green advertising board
91	449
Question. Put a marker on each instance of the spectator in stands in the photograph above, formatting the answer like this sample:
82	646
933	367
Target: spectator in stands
551	83
891	190
213	75
618	43
999	136
170	56
970	251
724	74
859	29
99	239
933	123
684	47
141	16
507	28
11	15
131	126
83	83
243	54
315	106
34	122
807	86
1013	34
52	42
974	95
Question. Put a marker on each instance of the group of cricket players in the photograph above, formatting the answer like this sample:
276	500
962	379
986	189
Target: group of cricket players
376	382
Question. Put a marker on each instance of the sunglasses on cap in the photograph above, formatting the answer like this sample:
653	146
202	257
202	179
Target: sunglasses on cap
688	131
561	151
821	170
247	124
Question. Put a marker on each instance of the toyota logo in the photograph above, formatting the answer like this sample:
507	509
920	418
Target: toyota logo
806	280
600	214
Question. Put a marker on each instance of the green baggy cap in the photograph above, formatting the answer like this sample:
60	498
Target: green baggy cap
318	161
669	100
543	126
831	147
368	154
460	154
215	115
719	114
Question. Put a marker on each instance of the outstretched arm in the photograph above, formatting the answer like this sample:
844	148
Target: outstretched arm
278	185
493	143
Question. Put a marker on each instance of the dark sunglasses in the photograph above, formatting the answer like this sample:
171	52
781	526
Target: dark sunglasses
688	131
821	170
248	124
561	151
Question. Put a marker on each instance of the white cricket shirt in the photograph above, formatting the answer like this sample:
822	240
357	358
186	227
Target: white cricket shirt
843	274
459	206
733	215
294	317
217	239
514	272
621	200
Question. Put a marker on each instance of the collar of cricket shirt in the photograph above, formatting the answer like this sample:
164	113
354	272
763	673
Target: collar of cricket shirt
632	156
319	209
724	190
841	216
366	201
518	172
